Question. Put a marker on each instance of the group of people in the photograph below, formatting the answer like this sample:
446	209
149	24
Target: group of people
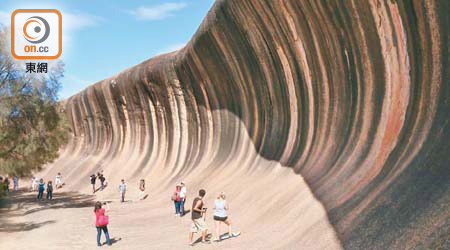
35	185
198	214
179	198
199	211
101	219
123	190
40	186
101	178
220	215
4	183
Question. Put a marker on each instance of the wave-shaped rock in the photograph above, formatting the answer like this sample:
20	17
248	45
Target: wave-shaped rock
352	95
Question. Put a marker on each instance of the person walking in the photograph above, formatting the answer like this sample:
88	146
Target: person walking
41	189
93	178
221	209
101	222
16	183
49	190
141	189
183	192
177	199
122	190
58	181
198	219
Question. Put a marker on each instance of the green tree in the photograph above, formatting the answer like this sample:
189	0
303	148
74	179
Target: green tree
32	128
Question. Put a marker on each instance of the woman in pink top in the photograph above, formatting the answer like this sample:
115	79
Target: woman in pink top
177	200
100	222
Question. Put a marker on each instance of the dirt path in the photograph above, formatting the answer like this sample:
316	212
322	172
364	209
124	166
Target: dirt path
67	222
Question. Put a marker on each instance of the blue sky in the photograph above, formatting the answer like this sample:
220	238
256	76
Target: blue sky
104	37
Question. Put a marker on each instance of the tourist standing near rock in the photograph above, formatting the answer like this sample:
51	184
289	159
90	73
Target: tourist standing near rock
101	222
16	183
93	178
141	189
58	181
33	183
182	197
122	190
49	190
6	183
102	181
176	199
198	218
41	189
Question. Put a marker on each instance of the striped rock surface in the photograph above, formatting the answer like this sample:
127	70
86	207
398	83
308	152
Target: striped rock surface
352	96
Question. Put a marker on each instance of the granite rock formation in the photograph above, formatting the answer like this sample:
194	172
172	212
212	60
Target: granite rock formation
351	95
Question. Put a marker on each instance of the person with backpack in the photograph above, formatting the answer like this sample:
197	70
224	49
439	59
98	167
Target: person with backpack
177	200
93	178
41	189
49	190
101	222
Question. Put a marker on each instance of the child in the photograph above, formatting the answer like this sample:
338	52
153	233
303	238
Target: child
122	190
41	188
33	183
49	190
58	181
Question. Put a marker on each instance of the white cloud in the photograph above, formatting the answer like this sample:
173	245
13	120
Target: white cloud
171	48
72	21
157	12
5	18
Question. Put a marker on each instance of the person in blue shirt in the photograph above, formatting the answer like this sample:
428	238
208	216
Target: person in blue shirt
41	188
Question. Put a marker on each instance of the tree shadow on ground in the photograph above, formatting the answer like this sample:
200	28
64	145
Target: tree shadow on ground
23	202
20	227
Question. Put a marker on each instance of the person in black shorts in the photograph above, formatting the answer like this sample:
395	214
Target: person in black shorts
221	209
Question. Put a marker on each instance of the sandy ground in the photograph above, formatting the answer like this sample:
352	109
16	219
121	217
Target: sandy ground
286	217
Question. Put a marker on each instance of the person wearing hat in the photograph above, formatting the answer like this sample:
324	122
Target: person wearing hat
183	192
177	200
